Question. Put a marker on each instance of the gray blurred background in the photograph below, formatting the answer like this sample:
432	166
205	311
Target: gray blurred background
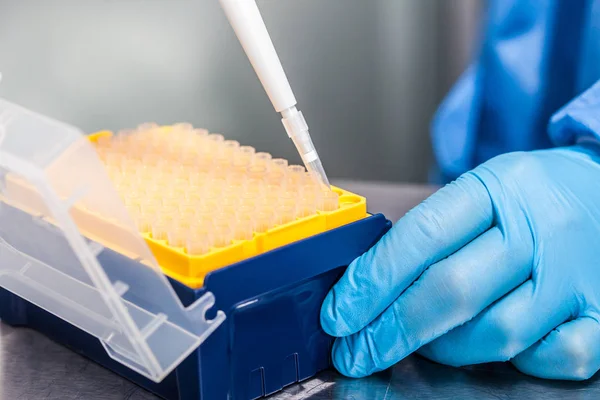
368	74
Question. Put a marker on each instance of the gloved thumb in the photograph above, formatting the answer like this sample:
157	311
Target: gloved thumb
433	230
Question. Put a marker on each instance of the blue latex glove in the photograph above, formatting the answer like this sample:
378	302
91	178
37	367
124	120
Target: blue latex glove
502	264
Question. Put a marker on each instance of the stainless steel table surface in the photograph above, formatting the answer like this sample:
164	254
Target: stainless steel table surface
33	367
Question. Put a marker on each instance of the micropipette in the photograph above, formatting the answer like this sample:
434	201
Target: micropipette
252	33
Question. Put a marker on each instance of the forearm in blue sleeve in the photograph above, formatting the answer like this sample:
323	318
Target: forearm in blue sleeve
579	120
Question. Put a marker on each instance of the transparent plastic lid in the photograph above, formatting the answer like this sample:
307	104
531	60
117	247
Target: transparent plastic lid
100	277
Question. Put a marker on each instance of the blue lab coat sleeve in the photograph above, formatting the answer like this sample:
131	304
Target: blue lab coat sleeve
531	63
579	120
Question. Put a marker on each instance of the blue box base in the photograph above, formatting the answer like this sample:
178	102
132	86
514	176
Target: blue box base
272	335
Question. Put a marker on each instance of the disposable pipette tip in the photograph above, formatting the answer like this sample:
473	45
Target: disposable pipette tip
297	129
175	201
316	169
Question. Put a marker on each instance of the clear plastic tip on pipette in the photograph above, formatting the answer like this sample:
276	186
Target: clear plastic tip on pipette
297	129
316	168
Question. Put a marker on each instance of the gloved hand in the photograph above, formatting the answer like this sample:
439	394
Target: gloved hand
503	264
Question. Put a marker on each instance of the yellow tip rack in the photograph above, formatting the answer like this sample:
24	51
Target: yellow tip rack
202	178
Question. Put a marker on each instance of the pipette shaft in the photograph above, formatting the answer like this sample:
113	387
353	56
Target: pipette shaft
252	33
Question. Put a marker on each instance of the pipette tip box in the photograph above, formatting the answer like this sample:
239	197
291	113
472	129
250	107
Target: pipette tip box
237	321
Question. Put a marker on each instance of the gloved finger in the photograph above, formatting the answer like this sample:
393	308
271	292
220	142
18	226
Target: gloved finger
448	294
570	352
433	230
502	331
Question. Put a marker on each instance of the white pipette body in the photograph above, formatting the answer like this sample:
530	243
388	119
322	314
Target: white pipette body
250	29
